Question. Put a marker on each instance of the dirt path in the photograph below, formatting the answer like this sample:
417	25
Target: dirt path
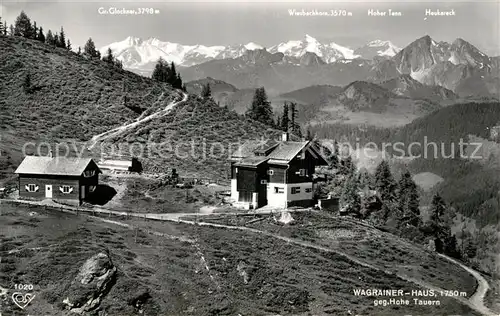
476	301
120	129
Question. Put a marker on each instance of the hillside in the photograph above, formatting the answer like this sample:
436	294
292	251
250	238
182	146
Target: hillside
196	137
221	90
470	185
359	103
74	98
178	269
405	85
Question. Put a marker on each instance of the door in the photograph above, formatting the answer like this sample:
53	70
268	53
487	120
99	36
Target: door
48	191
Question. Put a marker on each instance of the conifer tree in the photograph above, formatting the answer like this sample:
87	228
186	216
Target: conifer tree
50	38
172	75
347	166
206	91
408	200
90	50
293	114
12	30
1	27
178	82
385	183
34	31
68	45
365	179
56	40
79	50
161	72
22	26
294	126
62	39
109	56
118	63
334	156
350	199
260	109
40	36
285	120
437	212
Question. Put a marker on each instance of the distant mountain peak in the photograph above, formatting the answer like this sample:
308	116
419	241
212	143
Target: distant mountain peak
309	38
133	40
253	46
377	48
328	52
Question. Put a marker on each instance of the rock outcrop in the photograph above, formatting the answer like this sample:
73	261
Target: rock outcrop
93	282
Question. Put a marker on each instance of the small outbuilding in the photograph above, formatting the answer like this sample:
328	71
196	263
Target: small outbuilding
69	180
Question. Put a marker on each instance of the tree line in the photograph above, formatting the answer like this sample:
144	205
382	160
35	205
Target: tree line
261	110
24	27
392	204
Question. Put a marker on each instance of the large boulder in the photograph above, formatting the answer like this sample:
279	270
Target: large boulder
93	282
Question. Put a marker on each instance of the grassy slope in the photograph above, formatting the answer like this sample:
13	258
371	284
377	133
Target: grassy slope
76	98
197	122
281	278
73	98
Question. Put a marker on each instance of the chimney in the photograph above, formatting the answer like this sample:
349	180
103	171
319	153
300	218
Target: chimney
284	137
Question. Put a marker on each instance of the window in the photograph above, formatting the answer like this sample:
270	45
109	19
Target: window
270	172
66	189
303	172
236	170
279	190
308	190
32	187
263	181
295	190
92	188
89	173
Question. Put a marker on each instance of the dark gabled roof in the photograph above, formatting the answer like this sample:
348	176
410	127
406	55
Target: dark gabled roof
277	152
251	146
251	161
63	166
287	150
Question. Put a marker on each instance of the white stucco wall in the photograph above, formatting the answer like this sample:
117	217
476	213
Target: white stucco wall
302	195
234	192
280	199
276	199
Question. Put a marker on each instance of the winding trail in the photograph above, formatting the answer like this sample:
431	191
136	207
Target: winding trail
477	299
120	129
475	302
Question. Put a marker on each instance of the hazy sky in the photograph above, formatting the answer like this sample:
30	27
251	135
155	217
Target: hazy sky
226	22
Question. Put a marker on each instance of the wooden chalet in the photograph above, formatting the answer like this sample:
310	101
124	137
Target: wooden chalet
274	173
69	180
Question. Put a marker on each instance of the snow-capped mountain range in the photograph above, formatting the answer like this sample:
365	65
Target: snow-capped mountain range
136	53
330	52
377	48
